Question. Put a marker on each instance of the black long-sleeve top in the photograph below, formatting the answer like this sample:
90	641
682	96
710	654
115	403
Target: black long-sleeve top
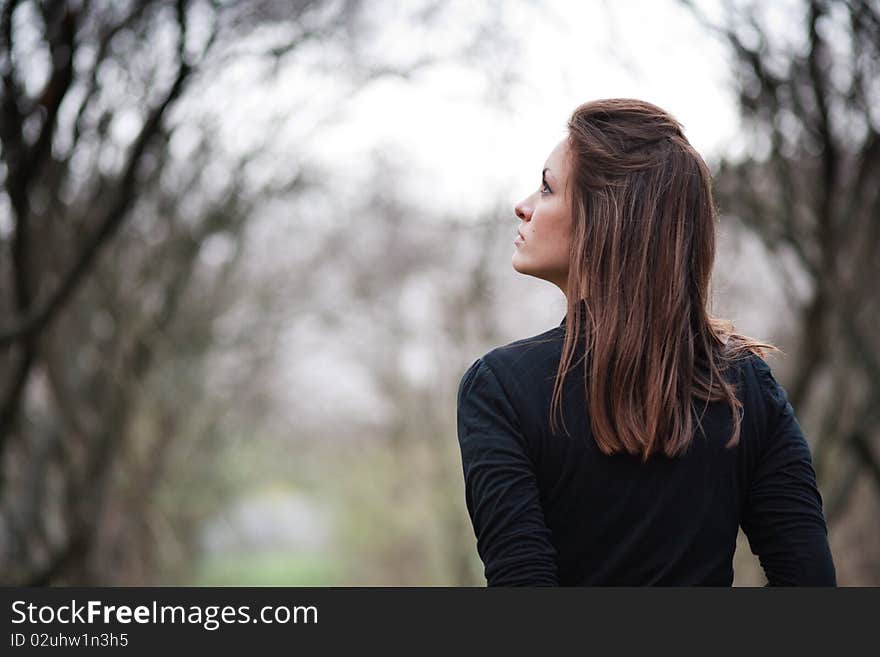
549	509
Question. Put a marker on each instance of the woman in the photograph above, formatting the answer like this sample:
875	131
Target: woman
674	432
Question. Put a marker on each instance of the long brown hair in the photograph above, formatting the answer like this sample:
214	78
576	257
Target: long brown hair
642	250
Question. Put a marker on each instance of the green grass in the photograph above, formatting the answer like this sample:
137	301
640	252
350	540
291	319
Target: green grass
267	569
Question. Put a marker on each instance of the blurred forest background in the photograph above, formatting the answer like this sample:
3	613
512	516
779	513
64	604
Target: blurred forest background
247	249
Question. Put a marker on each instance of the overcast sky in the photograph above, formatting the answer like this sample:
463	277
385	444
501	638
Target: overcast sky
572	52
463	151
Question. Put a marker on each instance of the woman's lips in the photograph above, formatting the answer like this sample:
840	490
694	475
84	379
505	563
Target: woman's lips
519	239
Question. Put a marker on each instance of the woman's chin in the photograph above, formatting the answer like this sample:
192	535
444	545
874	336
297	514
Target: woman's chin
522	267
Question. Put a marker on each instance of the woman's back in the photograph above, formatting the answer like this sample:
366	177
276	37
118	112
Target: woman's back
548	508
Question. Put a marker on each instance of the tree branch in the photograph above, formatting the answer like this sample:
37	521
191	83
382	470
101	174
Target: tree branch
103	47
830	157
38	318
62	52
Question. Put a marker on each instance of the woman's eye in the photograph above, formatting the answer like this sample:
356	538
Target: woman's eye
543	187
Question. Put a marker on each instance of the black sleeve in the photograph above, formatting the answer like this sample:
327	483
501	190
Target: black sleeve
782	517
501	490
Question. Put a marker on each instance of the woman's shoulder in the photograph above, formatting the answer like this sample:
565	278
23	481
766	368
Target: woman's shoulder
525	353
513	361
772	391
762	386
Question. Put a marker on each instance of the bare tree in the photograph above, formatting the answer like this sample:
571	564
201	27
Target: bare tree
78	327
808	189
122	259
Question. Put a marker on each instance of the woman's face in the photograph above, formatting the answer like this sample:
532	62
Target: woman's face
545	223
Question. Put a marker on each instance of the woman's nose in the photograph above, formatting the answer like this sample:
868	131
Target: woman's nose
520	211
